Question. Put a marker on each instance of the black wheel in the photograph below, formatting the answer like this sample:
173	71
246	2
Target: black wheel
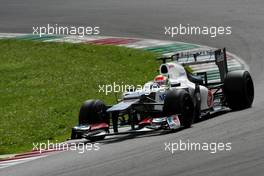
238	89
75	135
93	111
179	101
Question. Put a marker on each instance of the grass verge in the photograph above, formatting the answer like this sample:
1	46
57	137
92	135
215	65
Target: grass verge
42	86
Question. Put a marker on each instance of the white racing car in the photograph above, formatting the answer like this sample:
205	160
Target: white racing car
176	98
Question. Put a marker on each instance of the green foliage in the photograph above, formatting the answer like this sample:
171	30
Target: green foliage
42	86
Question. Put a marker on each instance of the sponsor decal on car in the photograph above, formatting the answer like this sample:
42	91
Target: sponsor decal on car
174	122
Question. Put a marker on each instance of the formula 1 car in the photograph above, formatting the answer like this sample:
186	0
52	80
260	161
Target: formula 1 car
176	98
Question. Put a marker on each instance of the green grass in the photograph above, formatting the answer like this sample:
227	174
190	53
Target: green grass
42	86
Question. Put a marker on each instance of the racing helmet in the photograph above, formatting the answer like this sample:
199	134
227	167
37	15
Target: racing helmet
161	80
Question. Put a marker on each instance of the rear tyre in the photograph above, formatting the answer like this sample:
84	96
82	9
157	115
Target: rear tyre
179	101
238	89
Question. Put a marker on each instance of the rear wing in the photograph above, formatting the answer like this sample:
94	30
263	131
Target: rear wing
217	56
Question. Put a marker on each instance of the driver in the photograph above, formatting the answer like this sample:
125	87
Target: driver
161	80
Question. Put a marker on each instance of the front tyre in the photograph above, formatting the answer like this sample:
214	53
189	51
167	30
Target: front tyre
92	111
179	101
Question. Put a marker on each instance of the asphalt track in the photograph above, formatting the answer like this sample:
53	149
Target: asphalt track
141	18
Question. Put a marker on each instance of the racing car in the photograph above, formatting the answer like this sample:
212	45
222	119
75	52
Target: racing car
174	99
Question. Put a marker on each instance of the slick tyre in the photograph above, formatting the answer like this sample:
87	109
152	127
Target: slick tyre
238	89
92	111
179	101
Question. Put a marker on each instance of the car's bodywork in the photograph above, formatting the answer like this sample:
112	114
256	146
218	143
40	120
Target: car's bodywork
184	98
